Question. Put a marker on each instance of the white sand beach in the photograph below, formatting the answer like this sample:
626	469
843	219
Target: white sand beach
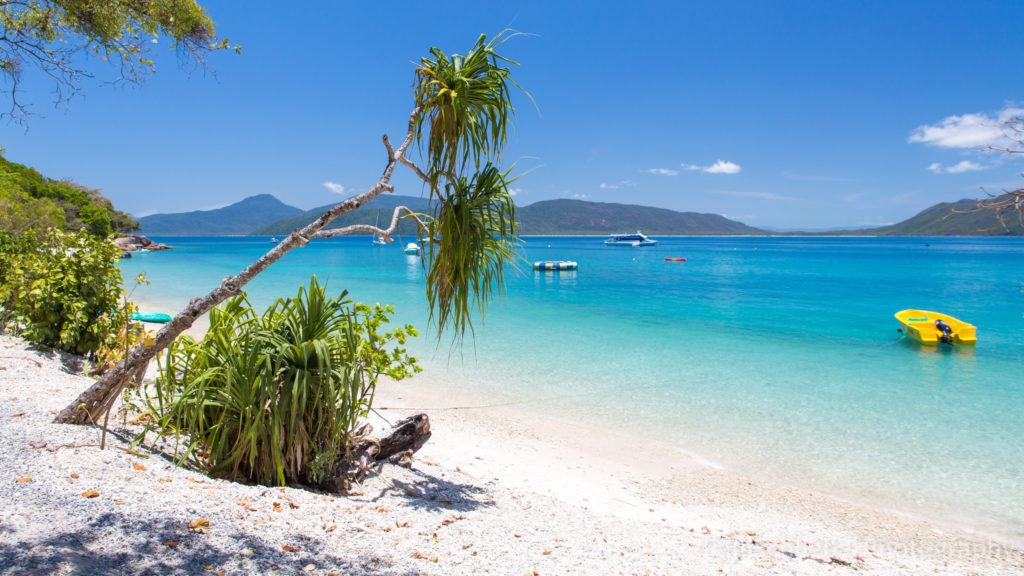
495	491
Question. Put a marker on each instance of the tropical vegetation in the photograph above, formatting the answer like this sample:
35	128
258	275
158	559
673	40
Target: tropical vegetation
63	290
29	200
277	397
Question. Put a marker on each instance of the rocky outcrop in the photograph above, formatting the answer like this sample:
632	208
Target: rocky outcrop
135	242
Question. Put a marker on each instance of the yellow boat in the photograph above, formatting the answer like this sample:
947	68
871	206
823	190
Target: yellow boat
934	327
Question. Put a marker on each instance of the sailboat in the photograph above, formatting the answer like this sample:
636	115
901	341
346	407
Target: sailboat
378	240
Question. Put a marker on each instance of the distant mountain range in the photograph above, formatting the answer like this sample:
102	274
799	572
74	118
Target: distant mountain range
239	218
571	217
266	215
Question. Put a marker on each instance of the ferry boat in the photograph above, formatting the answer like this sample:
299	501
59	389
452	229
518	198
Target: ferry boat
554	265
934	327
637	239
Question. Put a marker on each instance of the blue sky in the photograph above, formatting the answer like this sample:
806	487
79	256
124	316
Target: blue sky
777	114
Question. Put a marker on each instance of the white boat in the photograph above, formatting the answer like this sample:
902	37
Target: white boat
378	240
637	239
412	249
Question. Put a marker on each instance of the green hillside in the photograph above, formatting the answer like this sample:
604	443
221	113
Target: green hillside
267	216
29	199
564	217
377	211
238	218
567	217
953	219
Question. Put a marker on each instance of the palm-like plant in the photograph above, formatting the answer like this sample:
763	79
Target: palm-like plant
466	106
276	398
475	236
465	111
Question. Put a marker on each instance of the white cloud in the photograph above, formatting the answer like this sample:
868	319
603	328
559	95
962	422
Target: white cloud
609	186
967	131
958	168
334	187
580	196
720	167
514	191
662	171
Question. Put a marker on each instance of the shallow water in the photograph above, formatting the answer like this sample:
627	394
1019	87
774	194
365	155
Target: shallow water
772	356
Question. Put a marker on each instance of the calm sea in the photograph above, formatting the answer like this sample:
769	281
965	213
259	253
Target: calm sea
771	356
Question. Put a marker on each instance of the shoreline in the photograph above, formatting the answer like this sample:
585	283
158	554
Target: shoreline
660	461
664	467
493	491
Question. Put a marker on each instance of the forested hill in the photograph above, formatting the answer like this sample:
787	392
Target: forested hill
239	218
549	217
569	217
29	199
959	218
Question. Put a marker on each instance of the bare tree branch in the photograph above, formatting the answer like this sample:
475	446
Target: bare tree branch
95	401
385	233
1010	201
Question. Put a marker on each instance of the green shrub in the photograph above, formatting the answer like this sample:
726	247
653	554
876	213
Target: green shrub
276	398
60	290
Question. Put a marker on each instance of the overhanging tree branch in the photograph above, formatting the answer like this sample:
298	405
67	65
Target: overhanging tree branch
94	402
472	226
397	215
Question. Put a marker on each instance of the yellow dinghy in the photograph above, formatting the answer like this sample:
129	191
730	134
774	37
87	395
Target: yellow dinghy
934	327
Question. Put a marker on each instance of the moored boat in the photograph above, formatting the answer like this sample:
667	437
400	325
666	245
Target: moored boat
637	239
935	327
554	265
412	249
154	317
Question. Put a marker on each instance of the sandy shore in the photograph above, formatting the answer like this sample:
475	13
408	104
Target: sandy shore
495	491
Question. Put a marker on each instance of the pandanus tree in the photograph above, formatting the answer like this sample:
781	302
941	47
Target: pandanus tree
460	119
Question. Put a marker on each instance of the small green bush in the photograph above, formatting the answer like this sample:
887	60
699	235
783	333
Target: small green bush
60	290
276	398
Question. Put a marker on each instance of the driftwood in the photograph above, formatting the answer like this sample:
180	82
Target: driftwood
397	446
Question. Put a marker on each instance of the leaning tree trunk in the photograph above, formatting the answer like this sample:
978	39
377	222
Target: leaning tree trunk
94	402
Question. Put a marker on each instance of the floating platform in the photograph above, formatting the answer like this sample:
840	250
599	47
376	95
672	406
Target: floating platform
554	265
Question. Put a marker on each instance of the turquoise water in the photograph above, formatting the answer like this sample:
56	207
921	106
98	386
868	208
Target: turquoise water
770	356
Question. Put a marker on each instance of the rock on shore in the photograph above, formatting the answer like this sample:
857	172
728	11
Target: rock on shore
135	242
